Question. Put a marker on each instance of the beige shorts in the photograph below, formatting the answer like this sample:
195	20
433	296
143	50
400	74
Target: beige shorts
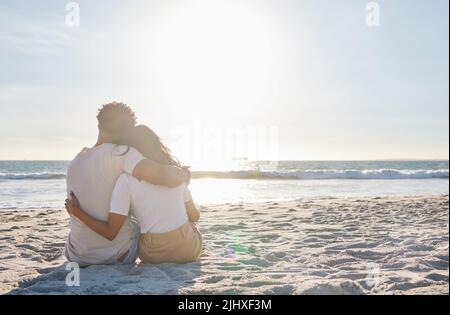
182	245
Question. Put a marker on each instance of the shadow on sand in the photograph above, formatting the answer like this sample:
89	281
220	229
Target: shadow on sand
120	279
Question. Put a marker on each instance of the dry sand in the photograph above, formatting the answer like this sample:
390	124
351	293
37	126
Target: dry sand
328	246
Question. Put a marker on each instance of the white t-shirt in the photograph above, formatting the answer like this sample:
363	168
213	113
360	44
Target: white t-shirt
92	176
158	209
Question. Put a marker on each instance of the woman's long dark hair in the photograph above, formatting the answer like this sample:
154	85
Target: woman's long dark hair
145	140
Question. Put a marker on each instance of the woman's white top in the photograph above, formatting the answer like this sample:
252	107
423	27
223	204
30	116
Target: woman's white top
158	209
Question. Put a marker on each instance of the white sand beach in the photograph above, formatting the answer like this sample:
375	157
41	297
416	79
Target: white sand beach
329	246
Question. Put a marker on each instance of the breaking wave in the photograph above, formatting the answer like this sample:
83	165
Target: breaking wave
287	175
326	174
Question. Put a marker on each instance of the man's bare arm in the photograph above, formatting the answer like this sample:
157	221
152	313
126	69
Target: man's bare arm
158	174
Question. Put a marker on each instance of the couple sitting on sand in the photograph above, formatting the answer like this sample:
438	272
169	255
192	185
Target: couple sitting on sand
129	176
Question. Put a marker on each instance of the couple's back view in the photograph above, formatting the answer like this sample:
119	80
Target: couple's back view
93	176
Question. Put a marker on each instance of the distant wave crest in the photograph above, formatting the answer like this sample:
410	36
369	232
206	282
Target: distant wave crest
287	175
327	174
32	176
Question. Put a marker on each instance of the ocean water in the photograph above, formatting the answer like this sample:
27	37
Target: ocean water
41	184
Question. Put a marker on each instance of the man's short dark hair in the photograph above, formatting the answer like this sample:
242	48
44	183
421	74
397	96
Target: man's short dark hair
116	119
114	116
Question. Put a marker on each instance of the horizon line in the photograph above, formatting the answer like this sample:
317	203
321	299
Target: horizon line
279	160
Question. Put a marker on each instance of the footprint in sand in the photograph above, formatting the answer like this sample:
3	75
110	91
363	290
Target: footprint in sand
179	273
127	281
229	267
280	290
256	262
340	261
45	270
28	246
6	238
443	257
366	254
25	255
437	277
438	264
56	288
277	256
214	279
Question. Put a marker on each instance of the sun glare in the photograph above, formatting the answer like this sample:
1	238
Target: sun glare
213	54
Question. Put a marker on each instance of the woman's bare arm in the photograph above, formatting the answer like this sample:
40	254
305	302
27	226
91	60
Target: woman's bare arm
108	230
192	211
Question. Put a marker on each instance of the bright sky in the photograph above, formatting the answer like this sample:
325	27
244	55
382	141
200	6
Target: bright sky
311	76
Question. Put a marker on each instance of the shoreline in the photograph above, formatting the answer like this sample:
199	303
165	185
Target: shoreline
290	200
376	245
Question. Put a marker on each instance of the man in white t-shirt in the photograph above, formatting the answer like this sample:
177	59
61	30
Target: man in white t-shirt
92	176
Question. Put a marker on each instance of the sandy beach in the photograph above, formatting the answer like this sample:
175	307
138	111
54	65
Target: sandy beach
328	246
